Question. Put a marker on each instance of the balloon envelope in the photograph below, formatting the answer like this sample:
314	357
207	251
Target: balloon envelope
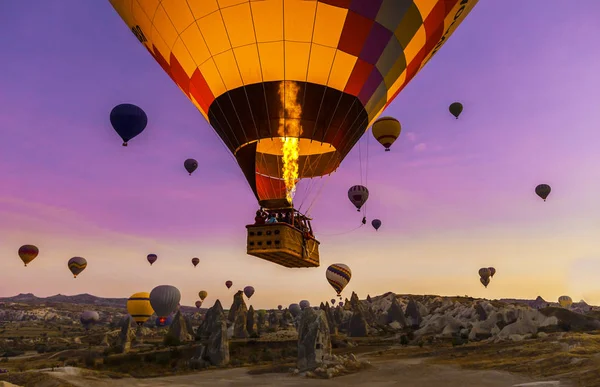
294	309
485	281
485	272
195	261
248	291
376	223
386	130
492	271
190	165
202	294
304	304
28	253
164	299
313	75
77	265
565	301
128	121
543	190
139	308
358	195
338	275
198	304
279	307
228	284
455	109
152	258
88	318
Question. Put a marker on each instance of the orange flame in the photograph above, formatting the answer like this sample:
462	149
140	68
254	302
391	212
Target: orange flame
289	132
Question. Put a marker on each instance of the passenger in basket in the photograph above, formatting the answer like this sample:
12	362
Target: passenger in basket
271	219
259	218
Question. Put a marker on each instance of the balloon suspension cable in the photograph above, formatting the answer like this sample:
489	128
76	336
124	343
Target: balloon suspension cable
343	233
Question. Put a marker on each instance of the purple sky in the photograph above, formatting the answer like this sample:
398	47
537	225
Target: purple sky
453	195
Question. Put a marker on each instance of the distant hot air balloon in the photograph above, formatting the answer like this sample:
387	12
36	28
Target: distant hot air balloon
455	109
164	321
333	301
386	130
202	294
164	299
89	318
152	258
294	309
77	265
565	301
358	195
248	291
376	223
128	121
543	190
341	303
338	275
279	307
198	304
195	261
304	304
492	271
190	165
485	281
228	284
139	308
485	272
249	66
27	253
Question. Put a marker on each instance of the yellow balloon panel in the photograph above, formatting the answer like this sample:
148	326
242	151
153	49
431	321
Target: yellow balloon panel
368	49
138	306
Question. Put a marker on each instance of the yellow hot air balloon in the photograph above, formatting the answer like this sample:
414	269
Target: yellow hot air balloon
565	301
386	130
138	306
202	294
291	86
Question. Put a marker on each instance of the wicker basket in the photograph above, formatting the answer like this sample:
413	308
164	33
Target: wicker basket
282	244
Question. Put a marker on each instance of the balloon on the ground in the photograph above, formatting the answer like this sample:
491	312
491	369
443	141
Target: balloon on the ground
565	301
164	299
304	304
279	307
294	309
128	121
139	308
88	318
28	253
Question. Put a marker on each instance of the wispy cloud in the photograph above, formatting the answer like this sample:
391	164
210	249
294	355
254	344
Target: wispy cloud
420	147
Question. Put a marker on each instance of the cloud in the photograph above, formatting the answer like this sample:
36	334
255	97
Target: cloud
420	147
412	137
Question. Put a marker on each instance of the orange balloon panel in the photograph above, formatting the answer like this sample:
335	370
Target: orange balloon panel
342	61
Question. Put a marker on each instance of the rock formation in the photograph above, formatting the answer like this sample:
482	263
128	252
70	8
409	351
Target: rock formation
212	333
413	315
357	326
314	341
126	335
251	322
238	316
395	315
179	328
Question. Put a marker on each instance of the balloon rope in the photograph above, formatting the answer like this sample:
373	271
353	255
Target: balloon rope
342	233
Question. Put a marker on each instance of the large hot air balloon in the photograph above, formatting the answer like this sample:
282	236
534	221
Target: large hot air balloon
565	301
198	304
164	299
152	258
304	304
28	253
376	223
358	195
291	89
88	318
455	109
229	284
248	291
77	265
338	275
386	130
190	165
485	281
195	261
202	294
492	271
543	190
139	308
128	121
294	309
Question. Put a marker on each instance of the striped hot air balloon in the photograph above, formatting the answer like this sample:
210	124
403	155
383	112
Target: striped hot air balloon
358	195
338	275
139	308
77	265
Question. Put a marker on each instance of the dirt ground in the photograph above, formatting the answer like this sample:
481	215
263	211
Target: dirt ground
401	372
